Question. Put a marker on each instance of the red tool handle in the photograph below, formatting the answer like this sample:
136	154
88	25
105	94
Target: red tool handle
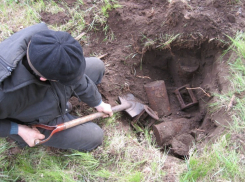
77	121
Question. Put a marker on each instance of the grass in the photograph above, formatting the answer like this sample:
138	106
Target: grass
215	163
109	6
41	165
19	14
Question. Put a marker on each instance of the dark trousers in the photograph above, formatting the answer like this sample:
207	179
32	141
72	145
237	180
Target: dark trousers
84	137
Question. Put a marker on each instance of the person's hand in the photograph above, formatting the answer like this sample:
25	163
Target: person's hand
105	108
29	135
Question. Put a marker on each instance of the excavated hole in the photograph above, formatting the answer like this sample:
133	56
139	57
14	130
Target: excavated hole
177	68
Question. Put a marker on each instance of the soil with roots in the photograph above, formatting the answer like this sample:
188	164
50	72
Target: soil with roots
179	42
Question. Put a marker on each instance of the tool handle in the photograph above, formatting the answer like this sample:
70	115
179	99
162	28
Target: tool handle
97	115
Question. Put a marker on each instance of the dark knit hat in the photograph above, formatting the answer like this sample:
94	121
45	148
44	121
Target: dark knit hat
56	55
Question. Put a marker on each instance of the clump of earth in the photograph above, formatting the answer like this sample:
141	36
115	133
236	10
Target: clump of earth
179	42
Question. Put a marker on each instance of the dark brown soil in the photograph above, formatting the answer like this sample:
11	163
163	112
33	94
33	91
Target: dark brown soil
59	18
139	54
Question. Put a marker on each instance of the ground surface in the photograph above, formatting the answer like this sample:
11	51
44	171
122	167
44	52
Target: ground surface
176	41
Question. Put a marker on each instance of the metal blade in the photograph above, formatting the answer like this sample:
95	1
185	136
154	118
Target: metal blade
136	108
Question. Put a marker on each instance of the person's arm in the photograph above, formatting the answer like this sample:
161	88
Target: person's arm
88	92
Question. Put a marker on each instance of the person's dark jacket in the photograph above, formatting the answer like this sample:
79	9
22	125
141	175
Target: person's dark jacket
24	98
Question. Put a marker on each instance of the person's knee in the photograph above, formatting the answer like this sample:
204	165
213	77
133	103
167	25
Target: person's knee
100	68
95	69
95	64
100	65
93	139
85	137
97	138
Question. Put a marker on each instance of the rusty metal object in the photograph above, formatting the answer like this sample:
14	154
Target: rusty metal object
135	120
158	98
152	121
152	113
140	118
189	99
165	131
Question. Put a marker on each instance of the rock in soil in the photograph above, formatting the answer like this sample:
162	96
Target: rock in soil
182	144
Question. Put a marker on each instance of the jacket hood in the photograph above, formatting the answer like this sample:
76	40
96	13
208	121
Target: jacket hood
15	82
13	49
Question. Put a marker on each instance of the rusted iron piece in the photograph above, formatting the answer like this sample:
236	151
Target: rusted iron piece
139	119
191	98
152	113
136	119
158	98
147	121
165	131
152	121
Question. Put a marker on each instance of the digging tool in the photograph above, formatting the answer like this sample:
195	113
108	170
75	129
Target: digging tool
128	103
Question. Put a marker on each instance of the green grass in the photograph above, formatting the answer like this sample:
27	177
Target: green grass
215	162
20	14
109	5
37	164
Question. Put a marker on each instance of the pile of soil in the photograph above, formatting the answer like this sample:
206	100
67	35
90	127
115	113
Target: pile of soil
143	51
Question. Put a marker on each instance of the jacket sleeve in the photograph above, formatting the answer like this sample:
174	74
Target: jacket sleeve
5	127
88	92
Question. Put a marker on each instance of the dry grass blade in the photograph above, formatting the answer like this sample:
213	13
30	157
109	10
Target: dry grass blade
102	56
200	89
80	36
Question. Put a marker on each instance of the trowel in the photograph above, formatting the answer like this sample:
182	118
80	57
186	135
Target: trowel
128	103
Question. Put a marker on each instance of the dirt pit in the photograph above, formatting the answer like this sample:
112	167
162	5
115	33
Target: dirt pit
188	78
189	75
179	42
